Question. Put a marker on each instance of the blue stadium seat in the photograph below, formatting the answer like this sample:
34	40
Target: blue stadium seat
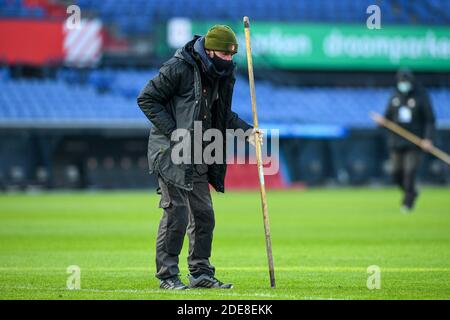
138	16
110	95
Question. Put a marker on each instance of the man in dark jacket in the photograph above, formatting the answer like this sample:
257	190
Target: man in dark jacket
196	84
410	108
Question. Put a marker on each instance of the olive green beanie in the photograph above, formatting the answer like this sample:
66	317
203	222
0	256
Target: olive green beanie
221	38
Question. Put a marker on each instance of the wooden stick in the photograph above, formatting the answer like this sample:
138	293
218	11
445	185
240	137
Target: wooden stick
258	154
408	136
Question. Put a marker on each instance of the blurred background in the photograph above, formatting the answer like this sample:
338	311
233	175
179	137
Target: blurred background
68	112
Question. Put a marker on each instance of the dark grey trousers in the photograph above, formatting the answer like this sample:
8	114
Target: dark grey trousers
405	163
185	211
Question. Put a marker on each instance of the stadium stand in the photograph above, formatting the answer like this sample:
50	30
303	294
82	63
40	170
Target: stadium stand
35	9
283	10
34	102
108	97
141	16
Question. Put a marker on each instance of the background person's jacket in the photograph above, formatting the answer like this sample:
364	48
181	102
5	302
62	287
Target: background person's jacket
171	101
413	112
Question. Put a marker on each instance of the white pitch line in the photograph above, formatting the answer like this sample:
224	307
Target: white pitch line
246	269
216	292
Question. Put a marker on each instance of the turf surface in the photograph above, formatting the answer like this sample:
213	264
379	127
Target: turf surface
323	242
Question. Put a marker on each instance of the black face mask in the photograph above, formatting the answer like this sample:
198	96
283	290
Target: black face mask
221	64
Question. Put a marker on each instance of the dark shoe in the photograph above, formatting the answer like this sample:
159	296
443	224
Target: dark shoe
409	201
173	283
206	281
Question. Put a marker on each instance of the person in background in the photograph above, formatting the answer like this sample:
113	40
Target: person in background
410	108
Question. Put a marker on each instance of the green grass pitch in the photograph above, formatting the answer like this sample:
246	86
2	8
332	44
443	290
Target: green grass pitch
323	241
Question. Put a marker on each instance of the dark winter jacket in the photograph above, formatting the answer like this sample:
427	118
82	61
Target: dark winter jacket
172	100
412	111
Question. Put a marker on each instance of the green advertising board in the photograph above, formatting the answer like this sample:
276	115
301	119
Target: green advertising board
339	46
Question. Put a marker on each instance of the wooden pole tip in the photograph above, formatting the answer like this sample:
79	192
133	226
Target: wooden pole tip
376	117
246	22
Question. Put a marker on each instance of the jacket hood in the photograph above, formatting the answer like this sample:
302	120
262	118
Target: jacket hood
195	50
406	75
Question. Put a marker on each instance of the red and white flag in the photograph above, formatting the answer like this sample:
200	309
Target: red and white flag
83	44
